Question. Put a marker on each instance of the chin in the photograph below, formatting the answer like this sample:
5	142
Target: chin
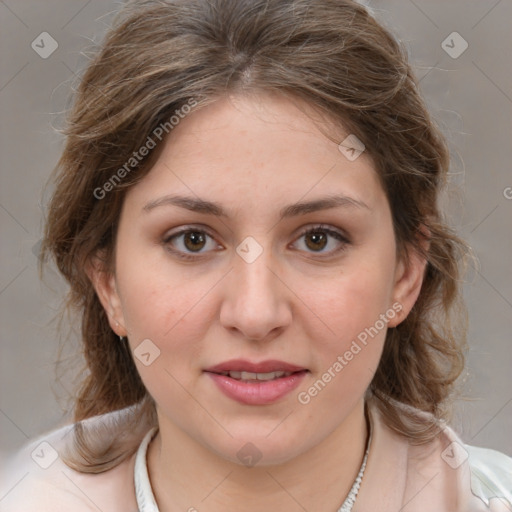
255	447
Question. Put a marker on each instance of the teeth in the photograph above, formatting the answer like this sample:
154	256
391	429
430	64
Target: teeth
250	376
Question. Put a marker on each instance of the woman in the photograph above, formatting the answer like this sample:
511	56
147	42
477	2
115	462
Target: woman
246	213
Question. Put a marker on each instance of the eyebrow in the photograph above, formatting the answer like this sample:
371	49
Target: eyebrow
301	208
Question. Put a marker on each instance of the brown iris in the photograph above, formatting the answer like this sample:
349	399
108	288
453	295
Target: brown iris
194	240
319	240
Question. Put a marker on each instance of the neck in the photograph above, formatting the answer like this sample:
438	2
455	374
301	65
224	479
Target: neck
187	476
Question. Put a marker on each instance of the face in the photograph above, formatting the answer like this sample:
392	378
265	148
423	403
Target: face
230	270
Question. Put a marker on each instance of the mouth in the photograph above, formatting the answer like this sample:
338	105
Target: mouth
256	383
255	377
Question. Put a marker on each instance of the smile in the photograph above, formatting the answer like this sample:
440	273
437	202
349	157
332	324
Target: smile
254	377
261	383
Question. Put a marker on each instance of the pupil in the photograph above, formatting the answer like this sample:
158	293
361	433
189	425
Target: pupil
196	239
317	238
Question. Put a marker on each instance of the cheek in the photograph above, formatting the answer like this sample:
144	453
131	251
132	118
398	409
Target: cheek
355	308
353	301
166	322
345	362
351	355
162	305
152	294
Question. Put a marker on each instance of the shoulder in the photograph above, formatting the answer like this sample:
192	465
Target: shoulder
491	474
479	478
37	479
444	472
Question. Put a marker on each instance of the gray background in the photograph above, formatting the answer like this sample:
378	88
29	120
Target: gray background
470	96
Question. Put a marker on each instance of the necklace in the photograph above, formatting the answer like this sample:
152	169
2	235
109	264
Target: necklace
348	504
146	500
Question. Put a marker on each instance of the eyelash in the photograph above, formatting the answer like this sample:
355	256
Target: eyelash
320	228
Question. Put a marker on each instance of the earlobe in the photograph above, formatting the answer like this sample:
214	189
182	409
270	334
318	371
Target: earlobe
408	282
104	284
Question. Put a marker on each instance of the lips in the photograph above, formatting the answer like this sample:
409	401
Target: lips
241	365
252	376
256	383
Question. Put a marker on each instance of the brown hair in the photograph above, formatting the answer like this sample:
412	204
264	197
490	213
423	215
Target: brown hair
162	55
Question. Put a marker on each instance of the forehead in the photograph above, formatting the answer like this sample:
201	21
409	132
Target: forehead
261	149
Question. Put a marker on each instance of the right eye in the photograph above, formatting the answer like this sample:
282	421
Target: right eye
188	242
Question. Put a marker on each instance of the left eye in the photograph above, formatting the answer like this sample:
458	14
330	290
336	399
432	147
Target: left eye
316	239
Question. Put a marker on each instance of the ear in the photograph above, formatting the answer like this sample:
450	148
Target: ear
104	283
409	275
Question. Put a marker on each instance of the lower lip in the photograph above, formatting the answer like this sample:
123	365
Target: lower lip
257	393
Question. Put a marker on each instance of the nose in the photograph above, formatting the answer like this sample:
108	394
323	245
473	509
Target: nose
256	301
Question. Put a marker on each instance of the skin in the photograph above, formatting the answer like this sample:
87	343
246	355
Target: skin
299	302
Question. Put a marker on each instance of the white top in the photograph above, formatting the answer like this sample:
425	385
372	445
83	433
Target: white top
445	475
145	498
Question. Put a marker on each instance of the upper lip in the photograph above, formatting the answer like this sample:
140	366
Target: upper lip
241	365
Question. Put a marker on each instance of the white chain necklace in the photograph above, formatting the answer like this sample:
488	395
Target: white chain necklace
146	500
348	504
